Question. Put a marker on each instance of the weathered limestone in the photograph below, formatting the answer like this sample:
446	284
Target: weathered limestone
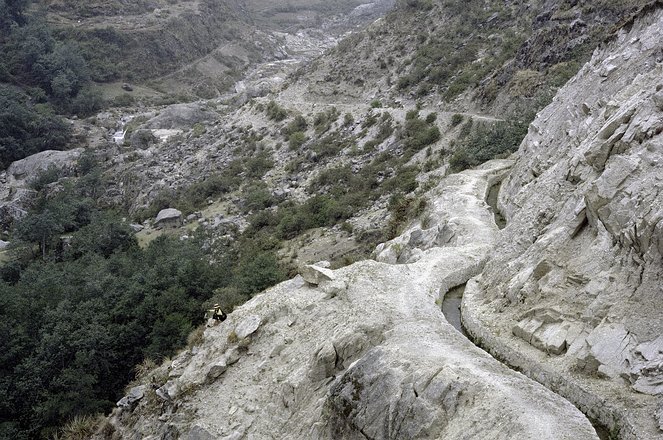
131	399
248	326
585	214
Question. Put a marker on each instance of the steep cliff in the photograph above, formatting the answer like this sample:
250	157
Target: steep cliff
572	292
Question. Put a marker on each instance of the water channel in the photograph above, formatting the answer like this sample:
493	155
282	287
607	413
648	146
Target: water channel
451	310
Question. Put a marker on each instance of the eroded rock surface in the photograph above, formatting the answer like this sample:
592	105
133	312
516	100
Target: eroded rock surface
375	360
572	293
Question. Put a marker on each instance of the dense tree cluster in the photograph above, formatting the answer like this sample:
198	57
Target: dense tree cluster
39	78
81	304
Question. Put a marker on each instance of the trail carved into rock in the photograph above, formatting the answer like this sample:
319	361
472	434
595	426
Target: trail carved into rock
367	353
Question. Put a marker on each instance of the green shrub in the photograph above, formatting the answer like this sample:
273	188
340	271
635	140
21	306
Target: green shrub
488	142
456	119
276	112
324	120
46	177
256	197
296	140
418	133
198	129
123	100
298	124
330	145
348	119
258	165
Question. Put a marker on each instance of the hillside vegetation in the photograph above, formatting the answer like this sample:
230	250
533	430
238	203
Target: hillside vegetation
40	77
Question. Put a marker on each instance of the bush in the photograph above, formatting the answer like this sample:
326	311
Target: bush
296	140
256	197
298	124
198	129
419	133
488	142
26	129
323	120
275	112
348	119
142	139
329	145
456	119
257	166
46	177
123	100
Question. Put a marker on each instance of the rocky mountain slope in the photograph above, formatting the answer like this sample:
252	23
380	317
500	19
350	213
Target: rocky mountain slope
198	48
360	352
569	295
361	146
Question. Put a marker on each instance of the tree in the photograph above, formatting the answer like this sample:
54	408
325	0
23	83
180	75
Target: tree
40	228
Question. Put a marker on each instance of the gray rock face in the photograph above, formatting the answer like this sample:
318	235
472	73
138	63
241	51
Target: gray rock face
16	196
199	433
376	360
315	275
4	244
28	168
136	228
577	272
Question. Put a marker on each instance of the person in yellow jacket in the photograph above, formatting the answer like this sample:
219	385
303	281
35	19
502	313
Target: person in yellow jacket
217	313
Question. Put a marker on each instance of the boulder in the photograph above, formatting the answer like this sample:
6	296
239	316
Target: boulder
3	244
315	275
28	168
247	326
323	362
169	217
181	116
216	371
131	399
611	344
197	432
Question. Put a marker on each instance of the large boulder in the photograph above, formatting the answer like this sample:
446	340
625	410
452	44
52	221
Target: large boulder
168	218
28	168
180	116
131	399
315	275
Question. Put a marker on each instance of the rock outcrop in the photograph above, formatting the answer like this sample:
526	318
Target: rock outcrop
15	193
375	360
572	292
